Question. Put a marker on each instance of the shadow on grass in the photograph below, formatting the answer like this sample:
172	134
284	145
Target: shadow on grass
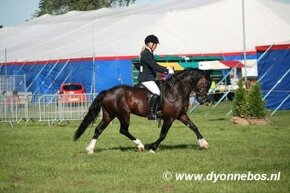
160	148
180	146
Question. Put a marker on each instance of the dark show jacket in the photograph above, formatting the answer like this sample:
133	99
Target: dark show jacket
149	67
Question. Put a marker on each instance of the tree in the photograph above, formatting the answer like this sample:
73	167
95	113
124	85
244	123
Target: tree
240	106
56	7
249	104
255	103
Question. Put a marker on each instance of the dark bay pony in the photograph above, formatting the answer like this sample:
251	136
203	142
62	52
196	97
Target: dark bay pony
121	101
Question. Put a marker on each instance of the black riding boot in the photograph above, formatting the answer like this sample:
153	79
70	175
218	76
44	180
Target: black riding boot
152	110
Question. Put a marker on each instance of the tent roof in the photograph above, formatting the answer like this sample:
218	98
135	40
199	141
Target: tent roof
183	27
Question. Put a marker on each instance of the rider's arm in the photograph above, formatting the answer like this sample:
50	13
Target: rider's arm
149	60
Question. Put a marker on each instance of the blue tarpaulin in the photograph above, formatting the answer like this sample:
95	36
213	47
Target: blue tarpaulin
46	77
275	83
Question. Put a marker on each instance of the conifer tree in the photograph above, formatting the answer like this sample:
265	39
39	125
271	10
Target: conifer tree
255	103
240	106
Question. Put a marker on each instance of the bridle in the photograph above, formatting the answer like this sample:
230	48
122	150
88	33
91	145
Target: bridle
202	86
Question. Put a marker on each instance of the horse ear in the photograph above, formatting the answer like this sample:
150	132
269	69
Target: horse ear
207	74
197	72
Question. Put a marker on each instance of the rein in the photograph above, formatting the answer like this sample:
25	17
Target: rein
174	76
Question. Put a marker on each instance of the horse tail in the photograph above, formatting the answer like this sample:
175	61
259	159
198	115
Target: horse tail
93	112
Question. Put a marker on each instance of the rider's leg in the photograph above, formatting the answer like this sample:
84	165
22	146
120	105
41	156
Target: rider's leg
152	87
152	110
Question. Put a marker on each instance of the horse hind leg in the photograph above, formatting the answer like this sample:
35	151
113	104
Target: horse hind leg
98	131
124	130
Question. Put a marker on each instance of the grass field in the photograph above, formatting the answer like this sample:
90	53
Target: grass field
37	158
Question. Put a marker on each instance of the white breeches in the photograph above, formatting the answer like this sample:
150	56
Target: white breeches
152	86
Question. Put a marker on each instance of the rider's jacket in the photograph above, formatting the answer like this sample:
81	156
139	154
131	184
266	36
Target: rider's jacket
149	67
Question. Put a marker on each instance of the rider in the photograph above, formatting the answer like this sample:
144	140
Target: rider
148	69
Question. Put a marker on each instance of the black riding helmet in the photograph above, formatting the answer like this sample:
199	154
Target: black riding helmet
151	38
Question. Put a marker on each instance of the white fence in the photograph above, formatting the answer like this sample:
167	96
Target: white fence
50	108
12	82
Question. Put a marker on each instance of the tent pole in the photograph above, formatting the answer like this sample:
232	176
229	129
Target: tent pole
93	86
93	82
244	40
5	55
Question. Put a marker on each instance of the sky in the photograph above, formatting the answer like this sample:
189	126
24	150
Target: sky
16	12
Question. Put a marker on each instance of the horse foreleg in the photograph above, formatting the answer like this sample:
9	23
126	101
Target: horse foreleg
201	141
124	130
164	130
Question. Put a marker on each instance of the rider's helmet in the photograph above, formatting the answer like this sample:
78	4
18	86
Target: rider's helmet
151	38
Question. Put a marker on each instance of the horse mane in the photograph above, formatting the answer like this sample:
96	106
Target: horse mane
184	73
181	75
199	73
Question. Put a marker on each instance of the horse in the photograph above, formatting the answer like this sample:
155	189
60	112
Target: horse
120	101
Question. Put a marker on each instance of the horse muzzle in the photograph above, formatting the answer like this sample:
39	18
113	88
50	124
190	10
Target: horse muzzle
201	101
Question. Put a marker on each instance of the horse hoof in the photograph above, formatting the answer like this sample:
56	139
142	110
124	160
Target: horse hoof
151	151
203	143
89	150
139	144
141	148
206	146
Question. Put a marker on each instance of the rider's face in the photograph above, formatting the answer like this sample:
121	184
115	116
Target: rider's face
152	46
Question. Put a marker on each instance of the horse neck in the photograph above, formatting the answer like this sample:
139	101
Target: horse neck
187	87
181	86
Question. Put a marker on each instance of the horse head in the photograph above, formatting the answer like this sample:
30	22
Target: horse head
202	84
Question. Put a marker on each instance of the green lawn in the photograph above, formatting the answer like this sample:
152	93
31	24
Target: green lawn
37	158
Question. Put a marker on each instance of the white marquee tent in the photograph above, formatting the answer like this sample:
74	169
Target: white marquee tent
184	27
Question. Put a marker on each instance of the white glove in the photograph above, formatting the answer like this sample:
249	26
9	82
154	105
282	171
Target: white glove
170	70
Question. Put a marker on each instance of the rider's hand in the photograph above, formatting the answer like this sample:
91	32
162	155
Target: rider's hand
170	70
